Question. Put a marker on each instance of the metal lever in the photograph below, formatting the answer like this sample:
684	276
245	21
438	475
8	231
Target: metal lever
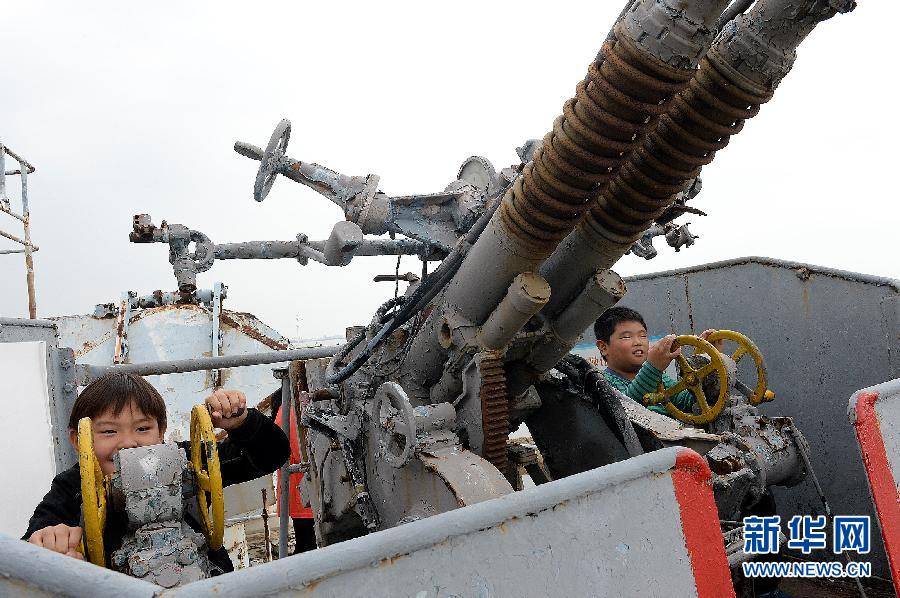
248	150
408	277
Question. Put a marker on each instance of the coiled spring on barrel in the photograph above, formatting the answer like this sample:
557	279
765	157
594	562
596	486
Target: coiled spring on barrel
625	89
700	121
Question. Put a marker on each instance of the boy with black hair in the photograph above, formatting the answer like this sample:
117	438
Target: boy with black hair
127	412
634	366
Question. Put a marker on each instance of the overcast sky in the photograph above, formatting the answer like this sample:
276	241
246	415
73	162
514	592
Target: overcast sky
133	108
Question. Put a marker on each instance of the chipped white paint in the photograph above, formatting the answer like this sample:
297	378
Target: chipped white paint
179	332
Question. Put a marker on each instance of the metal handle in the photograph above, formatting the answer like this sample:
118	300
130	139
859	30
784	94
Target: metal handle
248	150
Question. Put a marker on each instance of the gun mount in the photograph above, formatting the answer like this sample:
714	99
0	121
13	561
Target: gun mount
411	417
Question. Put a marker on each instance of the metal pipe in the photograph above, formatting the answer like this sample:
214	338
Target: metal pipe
284	489
29	261
88	373
22	161
308	466
2	173
527	294
34	322
216	332
254	250
16	239
602	291
736	8
265	519
6	210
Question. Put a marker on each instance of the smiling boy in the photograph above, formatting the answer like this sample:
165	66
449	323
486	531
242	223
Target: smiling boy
127	412
634	366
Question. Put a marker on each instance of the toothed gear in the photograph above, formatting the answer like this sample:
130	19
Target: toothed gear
494	408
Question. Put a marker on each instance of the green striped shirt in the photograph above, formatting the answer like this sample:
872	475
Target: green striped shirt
646	380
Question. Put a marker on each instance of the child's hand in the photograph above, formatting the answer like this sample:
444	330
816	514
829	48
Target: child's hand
719	344
59	538
661	352
223	405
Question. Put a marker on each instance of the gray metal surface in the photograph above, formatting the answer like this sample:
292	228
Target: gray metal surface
61	382
29	570
530	543
656	104
159	545
824	333
564	538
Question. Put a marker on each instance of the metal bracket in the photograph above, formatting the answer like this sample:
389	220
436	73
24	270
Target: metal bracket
218	295
124	318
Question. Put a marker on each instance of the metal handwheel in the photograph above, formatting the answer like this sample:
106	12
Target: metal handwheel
396	424
94	489
207	476
692	379
270	164
759	393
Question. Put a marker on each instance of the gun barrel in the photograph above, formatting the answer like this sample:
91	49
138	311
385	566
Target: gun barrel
649	56
739	74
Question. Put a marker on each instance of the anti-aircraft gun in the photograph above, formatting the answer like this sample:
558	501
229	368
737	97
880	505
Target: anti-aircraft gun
411	417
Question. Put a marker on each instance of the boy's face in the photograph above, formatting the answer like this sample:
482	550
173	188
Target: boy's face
627	348
131	428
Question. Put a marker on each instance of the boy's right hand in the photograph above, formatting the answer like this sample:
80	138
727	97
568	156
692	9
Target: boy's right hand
59	538
661	352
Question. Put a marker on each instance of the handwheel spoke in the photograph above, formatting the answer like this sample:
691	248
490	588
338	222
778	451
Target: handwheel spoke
676	388
203	480
706	370
740	352
683	364
701	398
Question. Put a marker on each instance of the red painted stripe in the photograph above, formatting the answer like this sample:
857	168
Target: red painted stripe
881	480
700	523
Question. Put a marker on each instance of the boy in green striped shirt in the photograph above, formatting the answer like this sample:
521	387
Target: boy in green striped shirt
634	366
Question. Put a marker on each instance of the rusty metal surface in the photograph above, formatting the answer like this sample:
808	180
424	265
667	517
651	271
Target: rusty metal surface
25	218
494	408
739	72
599	127
181	332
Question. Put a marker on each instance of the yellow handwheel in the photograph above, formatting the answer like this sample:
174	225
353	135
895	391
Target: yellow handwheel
208	476
691	379
760	393
94	488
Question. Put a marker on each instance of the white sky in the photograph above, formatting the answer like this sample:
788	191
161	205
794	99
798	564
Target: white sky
128	108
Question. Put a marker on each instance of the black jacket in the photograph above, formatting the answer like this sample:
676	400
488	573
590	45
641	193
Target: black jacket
257	448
